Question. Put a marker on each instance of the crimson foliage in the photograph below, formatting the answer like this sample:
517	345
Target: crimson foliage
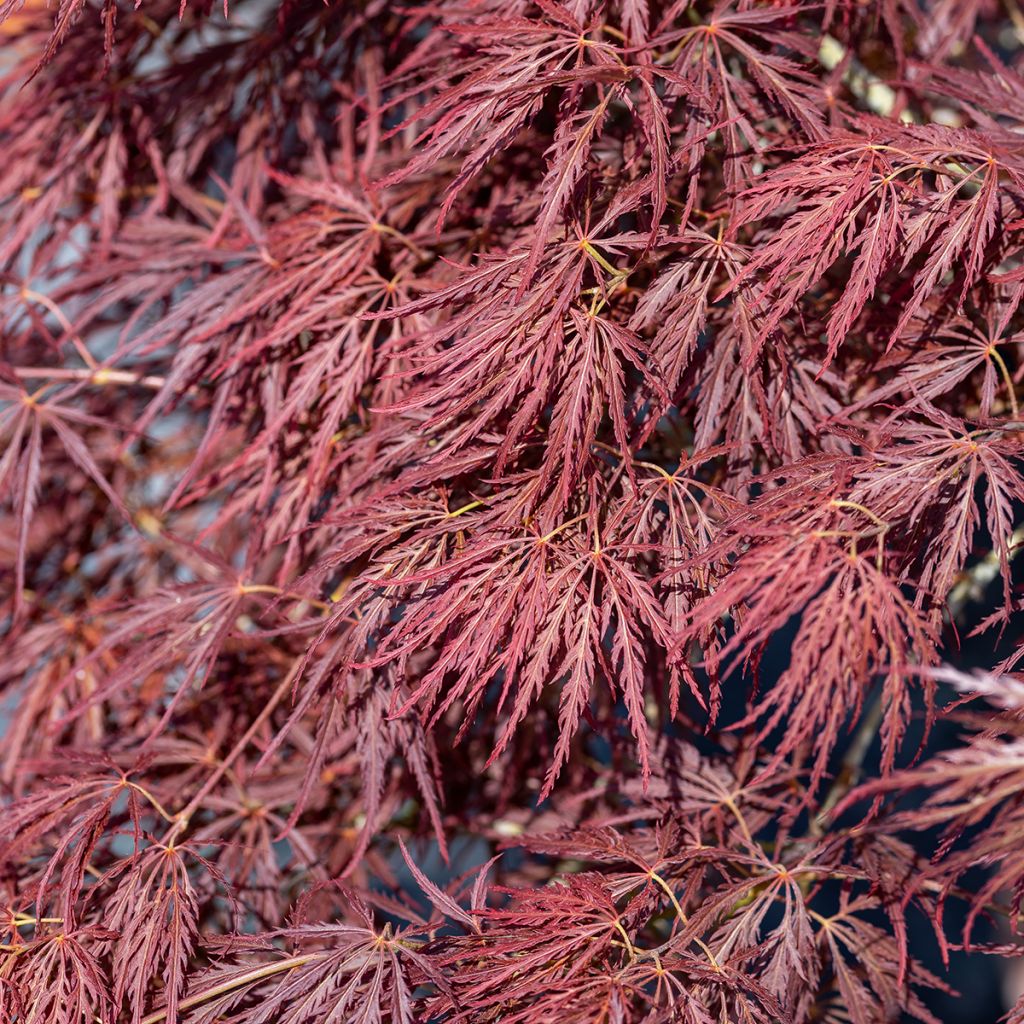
578	429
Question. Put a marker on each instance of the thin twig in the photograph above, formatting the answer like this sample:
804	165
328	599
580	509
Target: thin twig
91	375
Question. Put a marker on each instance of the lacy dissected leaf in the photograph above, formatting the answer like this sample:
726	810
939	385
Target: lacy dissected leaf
821	559
935	363
339	971
542	939
57	979
969	792
706	55
519	64
531	361
23	420
870	199
872	980
940	481
576	606
155	912
65	820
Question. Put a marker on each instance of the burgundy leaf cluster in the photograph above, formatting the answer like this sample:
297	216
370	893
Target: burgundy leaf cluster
498	499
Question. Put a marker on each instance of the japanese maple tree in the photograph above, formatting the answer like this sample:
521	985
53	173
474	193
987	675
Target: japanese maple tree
509	509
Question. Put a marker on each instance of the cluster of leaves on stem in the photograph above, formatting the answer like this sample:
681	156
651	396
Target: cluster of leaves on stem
578	437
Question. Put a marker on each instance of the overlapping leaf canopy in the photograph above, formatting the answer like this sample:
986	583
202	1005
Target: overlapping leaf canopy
553	422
